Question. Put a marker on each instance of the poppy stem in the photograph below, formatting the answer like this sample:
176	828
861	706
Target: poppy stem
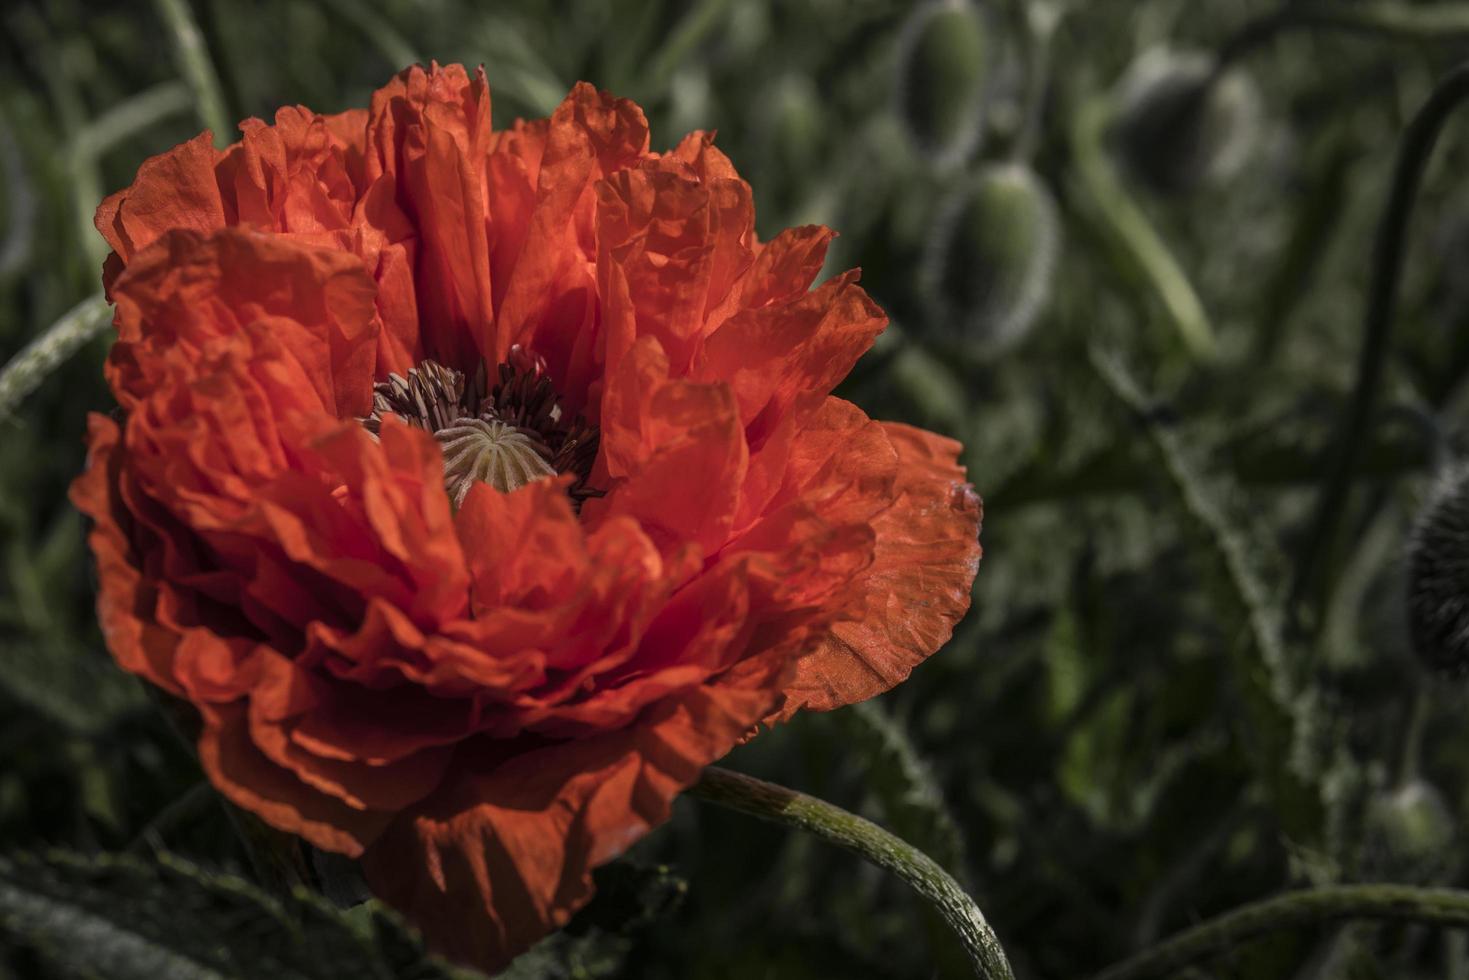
1140	250
1306	907
192	56
1437	22
27	369
1388	257
777	804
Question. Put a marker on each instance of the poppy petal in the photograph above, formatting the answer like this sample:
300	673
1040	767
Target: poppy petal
916	589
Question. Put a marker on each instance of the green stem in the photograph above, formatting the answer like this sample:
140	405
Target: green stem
870	842
1040	23
692	30
27	369
193	62
1424	22
1389	252
1308	907
376	29
130	116
1128	227
1233	551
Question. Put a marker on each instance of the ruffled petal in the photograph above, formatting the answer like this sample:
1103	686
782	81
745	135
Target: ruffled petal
124	600
174	190
429	130
239	770
916	589
504	852
772	354
675	452
550	300
188	291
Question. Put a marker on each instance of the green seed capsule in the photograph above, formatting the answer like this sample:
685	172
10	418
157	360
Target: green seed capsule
944	55
988	265
1410	835
1438	578
1178	127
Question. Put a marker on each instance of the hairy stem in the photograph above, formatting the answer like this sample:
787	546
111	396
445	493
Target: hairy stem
43	355
869	841
1389	251
1312	906
1122	221
1422	22
194	64
378	31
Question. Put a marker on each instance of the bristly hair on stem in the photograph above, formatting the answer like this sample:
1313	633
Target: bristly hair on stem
1389	253
777	804
1309	906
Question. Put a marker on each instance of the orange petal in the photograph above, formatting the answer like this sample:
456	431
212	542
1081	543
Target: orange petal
503	853
124	601
430	130
917	587
677	449
240	771
176	189
547	301
187	290
772	354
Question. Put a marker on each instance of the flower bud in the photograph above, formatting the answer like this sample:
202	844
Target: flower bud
1438	578
944	55
1410	835
988	264
1179	126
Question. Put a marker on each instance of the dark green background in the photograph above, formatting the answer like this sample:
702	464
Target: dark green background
1101	751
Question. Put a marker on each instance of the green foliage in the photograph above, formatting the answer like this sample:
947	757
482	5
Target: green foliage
1135	728
118	918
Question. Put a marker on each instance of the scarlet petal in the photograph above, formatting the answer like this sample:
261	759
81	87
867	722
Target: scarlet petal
547	303
503	854
655	234
250	780
772	354
174	190
917	587
124	602
188	290
431	129
678	449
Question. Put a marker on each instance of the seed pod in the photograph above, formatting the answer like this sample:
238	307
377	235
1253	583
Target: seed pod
1438	578
988	264
1179	127
1410	835
944	55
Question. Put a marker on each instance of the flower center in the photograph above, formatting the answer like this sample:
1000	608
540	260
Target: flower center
506	436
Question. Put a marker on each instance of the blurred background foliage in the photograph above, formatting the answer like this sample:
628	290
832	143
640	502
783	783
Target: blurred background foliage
1129	275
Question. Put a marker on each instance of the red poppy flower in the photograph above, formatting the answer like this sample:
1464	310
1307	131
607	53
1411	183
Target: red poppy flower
479	487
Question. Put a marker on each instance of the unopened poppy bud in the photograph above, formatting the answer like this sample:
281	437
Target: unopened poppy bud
1438	579
1179	125
1410	835
944	55
988	265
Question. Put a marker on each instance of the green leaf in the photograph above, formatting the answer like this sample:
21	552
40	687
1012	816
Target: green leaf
121	918
630	897
79	689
